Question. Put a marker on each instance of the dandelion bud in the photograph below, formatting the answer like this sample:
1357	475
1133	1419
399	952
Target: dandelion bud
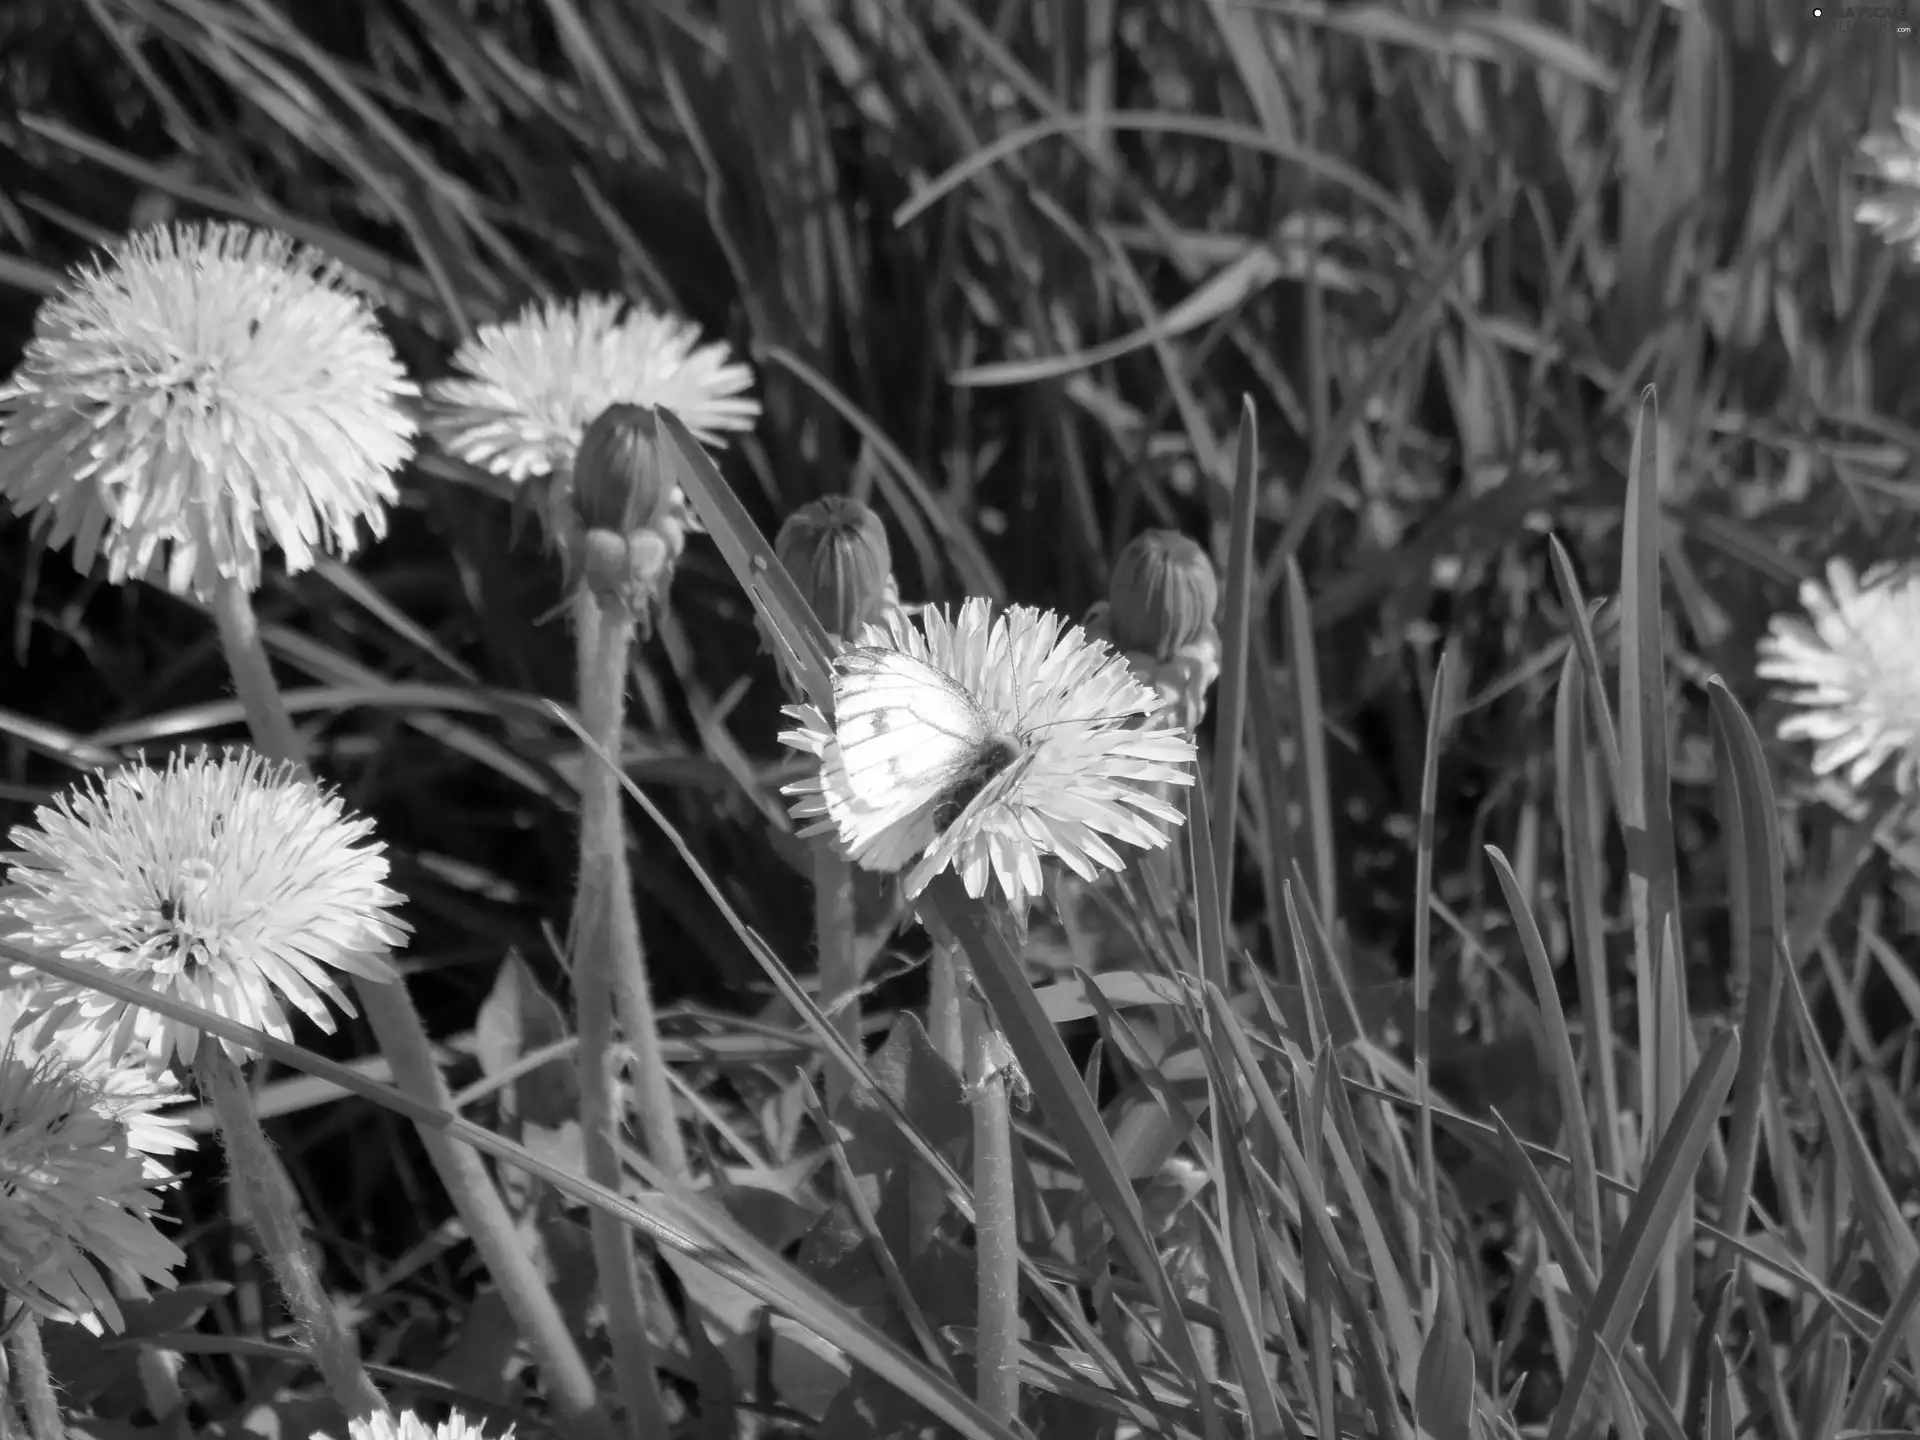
618	522
1163	595
617	472
836	551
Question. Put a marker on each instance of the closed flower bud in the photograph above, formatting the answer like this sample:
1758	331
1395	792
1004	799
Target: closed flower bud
1164	594
836	551
619	479
1160	617
615	516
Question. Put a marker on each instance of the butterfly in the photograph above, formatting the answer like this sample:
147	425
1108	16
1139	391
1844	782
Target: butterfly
919	752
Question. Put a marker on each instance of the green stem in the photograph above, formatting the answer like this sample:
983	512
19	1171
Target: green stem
36	1381
603	839
944	1026
833	929
995	1219
275	1213
606	937
403	1041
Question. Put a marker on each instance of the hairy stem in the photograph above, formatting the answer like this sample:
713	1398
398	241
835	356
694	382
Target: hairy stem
403	1041
606	939
995	1220
36	1382
275	1212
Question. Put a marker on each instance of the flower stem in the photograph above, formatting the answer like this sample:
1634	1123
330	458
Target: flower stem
944	1027
603	867
606	940
995	1219
833	929
403	1041
36	1382
274	1210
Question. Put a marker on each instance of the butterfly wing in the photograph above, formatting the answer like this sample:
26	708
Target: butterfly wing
907	732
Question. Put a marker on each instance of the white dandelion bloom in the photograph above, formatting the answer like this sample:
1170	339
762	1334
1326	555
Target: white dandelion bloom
987	743
1852	670
219	882
75	1198
1894	214
199	388
531	386
411	1427
148	1102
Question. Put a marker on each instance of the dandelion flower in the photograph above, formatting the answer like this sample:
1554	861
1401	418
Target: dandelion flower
532	385
198	388
74	1198
411	1427
124	1087
219	882
986	744
1894	215
1854	672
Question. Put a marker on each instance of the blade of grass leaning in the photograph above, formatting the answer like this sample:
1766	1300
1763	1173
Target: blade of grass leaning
1236	610
1580	806
1566	1069
1669	1180
1437	707
1373	1371
1250	1360
1277	841
758	570
1646	822
1587	650
1068	1107
1877	1364
1309	730
1894	1248
1239	1214
684	1222
1758	928
1316	1257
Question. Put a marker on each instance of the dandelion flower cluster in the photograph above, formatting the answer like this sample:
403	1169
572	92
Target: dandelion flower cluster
531	386
1853	672
220	882
986	744
1894	214
124	1087
75	1197
199	387
412	1427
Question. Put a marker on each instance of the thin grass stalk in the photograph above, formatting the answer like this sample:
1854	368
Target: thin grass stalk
833	931
274	1210
403	1041
36	1381
995	1216
607	938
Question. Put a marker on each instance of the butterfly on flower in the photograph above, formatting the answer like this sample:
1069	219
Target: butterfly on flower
985	743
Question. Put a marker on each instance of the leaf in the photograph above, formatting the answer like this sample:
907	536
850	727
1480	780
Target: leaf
1122	989
486	1346
1443	1387
86	1368
516	1019
909	1069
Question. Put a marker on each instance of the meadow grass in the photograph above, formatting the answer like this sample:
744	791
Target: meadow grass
1534	1029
